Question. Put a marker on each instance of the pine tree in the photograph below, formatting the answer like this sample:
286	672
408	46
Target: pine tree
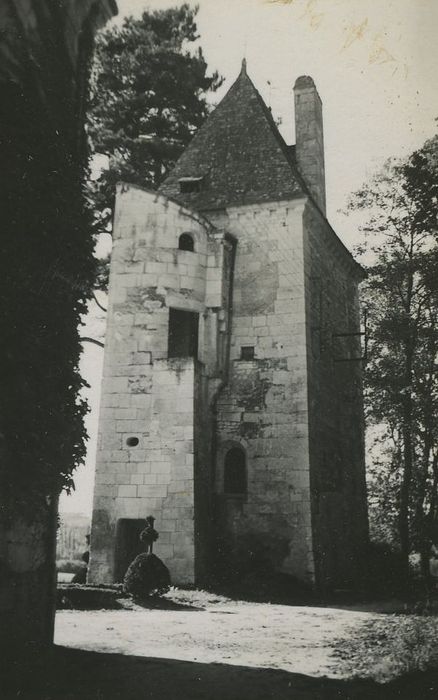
149	95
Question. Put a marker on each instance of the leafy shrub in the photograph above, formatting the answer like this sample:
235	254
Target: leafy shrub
384	571
81	597
387	647
145	576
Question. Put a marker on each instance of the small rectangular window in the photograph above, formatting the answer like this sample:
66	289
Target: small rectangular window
247	352
190	184
183	333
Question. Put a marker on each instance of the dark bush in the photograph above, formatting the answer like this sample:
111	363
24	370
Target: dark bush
145	576
385	574
249	557
82	597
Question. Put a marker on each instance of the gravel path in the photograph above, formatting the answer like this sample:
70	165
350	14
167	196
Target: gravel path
293	639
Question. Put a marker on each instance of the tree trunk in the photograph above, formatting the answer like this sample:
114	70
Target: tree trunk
404	499
425	569
28	580
405	490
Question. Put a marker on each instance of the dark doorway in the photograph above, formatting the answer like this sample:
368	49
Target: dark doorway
235	482
183	333
128	545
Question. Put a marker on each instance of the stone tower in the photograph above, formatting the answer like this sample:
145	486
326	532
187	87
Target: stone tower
232	397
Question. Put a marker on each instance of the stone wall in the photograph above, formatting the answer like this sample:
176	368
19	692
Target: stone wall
294	408
264	407
149	397
336	421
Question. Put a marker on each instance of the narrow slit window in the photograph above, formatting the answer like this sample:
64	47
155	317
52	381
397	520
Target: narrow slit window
185	242
235	478
183	333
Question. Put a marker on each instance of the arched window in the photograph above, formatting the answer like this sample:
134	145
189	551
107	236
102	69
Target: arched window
185	242
235	482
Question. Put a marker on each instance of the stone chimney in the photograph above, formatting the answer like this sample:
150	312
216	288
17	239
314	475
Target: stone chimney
309	137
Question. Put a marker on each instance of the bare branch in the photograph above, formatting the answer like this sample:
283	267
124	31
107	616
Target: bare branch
85	339
98	303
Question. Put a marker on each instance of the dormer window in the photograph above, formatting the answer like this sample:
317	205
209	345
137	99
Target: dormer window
190	184
185	242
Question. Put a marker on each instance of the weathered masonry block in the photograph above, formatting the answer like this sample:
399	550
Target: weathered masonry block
227	410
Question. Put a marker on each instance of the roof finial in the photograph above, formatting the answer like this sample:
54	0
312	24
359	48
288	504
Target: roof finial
243	69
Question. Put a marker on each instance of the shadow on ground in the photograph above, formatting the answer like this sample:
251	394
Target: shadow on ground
69	674
283	589
160	603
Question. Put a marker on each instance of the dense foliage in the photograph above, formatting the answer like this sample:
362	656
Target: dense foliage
149	95
146	575
46	273
401	293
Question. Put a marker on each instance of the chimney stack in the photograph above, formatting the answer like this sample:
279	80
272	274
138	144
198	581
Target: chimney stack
309	138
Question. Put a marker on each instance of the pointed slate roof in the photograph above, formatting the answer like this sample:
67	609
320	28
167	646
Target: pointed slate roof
240	154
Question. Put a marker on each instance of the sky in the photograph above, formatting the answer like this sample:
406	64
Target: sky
374	63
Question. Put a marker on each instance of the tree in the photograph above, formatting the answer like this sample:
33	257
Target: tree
149	95
46	275
400	204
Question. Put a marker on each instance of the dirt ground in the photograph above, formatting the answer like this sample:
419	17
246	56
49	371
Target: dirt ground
198	646
256	635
